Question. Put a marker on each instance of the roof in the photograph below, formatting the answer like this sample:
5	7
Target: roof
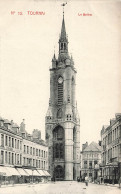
1	119
94	147
105	126
7	121
15	125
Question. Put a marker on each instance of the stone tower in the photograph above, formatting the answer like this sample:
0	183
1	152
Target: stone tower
62	120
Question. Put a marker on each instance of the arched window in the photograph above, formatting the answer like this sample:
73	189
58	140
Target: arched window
58	143
58	133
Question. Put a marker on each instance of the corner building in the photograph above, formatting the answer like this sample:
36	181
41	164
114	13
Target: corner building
62	120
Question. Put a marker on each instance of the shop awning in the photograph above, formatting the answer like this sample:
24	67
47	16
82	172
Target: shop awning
12	171
22	172
35	173
46	173
4	172
41	172
31	172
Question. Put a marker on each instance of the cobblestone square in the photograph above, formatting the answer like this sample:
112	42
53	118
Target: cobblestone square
61	188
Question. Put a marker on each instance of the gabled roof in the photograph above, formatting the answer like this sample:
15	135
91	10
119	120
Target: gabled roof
7	121
94	147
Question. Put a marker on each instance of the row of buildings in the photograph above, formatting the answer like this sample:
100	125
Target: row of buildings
103	161
23	157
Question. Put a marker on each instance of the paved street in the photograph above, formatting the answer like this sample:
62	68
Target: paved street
61	188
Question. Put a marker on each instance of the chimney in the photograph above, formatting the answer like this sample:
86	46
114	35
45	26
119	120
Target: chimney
84	145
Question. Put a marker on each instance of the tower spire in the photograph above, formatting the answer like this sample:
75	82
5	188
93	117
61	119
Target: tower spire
63	41
63	29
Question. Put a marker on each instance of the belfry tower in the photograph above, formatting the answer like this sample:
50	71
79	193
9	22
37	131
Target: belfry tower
62	120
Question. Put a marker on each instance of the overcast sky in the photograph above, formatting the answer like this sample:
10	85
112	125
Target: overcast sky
26	49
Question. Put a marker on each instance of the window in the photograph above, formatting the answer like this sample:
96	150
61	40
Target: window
17	158
6	140
85	164
9	158
90	164
31	150
12	158
39	152
58	133
2	140
33	162
6	158
58	145
59	150
12	142
24	149
9	141
37	163
27	149
36	152
44	164
18	144
24	161
20	159
42	153
15	144
2	157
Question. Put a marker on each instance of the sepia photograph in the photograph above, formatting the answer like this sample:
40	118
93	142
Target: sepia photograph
60	96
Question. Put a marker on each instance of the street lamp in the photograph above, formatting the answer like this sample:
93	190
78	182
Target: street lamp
96	170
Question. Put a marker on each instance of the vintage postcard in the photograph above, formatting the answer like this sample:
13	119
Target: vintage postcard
60	96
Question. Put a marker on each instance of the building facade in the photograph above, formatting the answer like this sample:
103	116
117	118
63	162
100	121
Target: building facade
90	161
111	150
62	120
20	151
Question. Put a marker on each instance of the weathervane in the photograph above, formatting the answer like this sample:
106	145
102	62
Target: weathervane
63	7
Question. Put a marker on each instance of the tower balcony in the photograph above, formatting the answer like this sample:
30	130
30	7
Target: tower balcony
61	120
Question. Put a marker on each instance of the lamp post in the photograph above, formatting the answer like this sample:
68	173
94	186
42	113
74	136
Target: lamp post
96	170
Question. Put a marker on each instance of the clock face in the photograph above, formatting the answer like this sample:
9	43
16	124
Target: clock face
60	80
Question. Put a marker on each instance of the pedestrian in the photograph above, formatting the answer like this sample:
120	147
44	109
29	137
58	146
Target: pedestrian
86	180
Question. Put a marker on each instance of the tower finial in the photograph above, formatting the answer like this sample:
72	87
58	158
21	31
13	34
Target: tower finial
63	7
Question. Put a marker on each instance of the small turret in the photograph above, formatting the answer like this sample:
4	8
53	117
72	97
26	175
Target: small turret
22	129
77	115
49	111
72	61
54	61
